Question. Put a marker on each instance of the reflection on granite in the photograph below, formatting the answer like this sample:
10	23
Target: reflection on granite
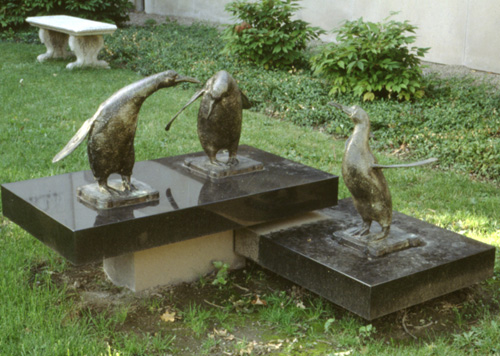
189	206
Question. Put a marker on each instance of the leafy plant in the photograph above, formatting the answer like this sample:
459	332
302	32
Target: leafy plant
13	13
366	332
452	107
483	339
267	35
372	59
222	272
328	324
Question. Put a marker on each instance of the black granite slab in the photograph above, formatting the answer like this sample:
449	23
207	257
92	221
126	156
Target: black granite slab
189	206
370	286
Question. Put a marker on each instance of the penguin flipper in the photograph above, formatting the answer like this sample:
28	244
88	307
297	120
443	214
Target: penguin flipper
75	140
245	102
414	164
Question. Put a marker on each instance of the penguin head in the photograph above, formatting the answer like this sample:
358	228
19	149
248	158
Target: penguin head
356	113
171	78
219	85
216	88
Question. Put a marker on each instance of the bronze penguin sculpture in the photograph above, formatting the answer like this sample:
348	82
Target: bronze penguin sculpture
219	116
364	178
111	131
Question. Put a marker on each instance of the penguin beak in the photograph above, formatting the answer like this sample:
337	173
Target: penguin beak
181	79
349	111
192	100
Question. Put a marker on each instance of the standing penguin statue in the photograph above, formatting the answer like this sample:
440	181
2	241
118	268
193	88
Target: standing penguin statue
111	131
364	178
219	116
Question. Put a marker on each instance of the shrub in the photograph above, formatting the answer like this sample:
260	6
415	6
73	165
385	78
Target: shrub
372	59
267	35
13	13
457	119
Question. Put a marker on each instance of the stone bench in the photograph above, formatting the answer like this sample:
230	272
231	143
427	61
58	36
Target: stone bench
85	38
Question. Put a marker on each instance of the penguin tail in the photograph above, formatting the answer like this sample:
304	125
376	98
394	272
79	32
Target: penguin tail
245	102
75	140
414	164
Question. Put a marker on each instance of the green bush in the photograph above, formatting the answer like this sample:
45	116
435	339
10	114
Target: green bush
456	121
372	59
267	35
13	13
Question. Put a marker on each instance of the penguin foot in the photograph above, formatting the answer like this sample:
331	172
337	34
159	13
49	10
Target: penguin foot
381	235
127	185
363	230
216	162
232	161
105	188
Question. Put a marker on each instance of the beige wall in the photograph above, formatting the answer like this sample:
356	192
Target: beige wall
462	32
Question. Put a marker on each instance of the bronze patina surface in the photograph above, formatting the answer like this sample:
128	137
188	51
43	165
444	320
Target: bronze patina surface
364	178
205	169
111	131
219	116
93	196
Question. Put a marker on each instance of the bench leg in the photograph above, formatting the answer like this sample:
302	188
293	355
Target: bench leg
56	43
86	49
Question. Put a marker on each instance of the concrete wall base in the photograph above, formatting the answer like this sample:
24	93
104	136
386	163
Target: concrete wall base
172	264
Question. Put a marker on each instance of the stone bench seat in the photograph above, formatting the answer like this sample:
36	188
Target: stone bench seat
85	38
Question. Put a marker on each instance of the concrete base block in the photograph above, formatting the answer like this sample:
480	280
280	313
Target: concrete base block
175	263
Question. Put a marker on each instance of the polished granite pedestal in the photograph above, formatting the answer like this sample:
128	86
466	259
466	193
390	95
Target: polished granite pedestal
308	254
283	216
189	206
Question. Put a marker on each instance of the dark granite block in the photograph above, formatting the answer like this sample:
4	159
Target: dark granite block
369	286
189	206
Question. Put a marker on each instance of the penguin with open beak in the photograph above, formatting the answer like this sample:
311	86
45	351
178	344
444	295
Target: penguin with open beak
111	131
219	116
364	178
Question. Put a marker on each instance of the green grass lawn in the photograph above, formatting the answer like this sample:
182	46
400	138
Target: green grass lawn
42	107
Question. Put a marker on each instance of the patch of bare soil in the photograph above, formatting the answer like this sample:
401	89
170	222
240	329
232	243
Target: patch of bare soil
163	309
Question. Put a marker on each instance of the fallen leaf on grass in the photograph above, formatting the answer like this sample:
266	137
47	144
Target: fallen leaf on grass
343	353
248	350
258	301
301	305
220	332
168	317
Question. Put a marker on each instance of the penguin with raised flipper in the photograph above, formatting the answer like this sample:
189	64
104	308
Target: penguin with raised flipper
219	116
111	131
364	178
